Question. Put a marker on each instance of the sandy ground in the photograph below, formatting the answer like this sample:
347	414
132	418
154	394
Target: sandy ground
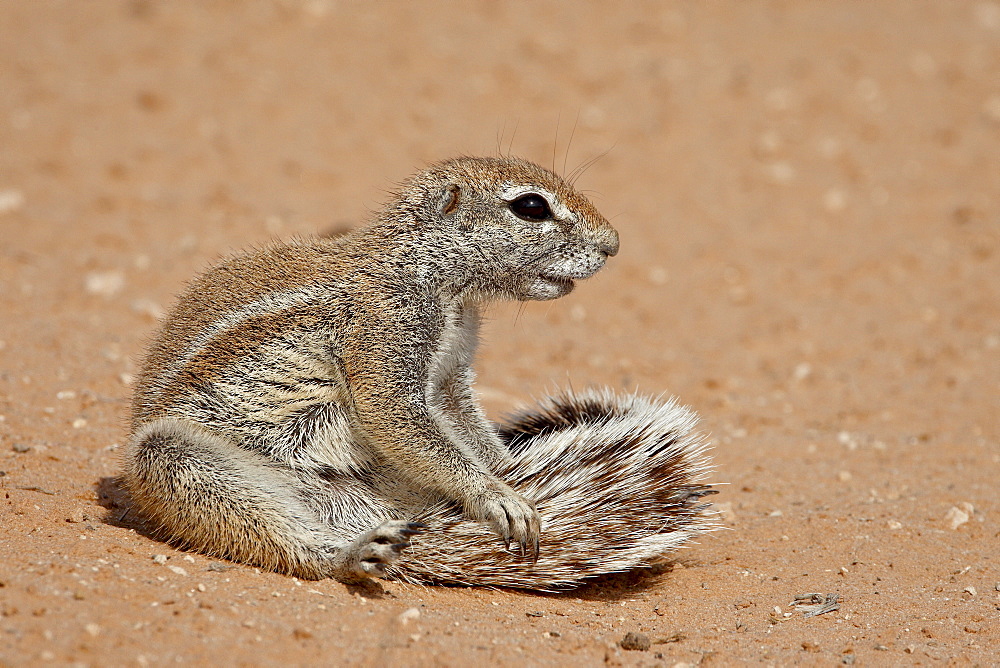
808	195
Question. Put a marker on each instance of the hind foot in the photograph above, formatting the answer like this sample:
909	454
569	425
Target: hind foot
371	552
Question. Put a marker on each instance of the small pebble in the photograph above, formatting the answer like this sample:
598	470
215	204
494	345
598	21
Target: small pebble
987	15
726	511
992	108
77	515
770	142
658	276
781	172
846	439
178	570
956	517
635	642
20	447
834	200
408	615
105	283
11	201
160	558
148	308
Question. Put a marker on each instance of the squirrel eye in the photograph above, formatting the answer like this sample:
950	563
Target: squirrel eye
531	207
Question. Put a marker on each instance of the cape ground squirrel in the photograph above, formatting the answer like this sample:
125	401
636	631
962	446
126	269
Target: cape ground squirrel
308	408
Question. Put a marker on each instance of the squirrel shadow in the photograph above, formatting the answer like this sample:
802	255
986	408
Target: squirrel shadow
112	496
617	587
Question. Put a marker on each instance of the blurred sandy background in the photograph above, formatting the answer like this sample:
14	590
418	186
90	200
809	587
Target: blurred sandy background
808	195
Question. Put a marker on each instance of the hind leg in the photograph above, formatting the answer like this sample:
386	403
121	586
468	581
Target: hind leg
374	551
209	494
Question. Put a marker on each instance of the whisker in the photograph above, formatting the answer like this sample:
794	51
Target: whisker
570	142
500	134
513	134
555	142
520	310
582	169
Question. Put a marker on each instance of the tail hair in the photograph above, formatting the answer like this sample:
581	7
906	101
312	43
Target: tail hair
618	482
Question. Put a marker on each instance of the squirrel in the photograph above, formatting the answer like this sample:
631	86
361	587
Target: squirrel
308	407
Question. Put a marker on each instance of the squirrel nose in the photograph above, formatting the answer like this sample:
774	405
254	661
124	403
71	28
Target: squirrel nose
606	240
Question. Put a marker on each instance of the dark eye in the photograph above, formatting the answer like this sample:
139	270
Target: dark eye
531	207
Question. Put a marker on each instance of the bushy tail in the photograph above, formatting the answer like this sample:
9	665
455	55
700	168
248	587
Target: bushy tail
616	479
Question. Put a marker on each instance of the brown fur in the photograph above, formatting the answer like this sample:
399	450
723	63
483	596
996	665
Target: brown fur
303	402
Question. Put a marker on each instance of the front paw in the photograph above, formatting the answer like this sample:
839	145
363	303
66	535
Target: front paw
511	516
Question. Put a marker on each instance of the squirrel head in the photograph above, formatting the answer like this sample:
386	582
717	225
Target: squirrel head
523	231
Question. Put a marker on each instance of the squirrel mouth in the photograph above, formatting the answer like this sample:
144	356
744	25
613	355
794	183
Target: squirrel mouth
561	281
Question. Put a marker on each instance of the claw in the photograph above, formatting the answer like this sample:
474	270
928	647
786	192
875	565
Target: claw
412	529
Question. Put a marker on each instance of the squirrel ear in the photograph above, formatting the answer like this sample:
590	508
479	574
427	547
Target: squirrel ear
448	200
